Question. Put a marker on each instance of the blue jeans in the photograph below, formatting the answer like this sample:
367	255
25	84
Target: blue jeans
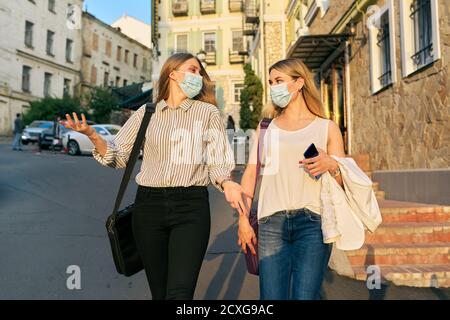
292	256
17	141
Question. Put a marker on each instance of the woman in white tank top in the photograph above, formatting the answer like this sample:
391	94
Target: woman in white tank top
292	255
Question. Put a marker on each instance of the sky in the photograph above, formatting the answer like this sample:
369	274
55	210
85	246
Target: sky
110	10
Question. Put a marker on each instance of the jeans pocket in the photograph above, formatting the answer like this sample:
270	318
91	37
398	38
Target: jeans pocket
263	220
314	217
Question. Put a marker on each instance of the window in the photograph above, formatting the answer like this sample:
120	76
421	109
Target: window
69	47
29	34
125	82
238	41
209	42
420	39
51	5
423	42
26	74
382	47
119	53
95	42
93	75
47	84
66	90
126	55
117	81
108	48
135	60
105	79
144	64
314	7
181	43
50	38
237	88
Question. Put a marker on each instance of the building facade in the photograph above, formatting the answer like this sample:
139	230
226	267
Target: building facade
265	26
382	68
110	58
135	29
211	26
40	54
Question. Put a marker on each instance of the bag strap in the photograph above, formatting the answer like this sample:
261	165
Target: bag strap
263	128
149	110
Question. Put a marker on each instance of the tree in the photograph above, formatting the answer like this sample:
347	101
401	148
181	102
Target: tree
49	108
251	99
101	102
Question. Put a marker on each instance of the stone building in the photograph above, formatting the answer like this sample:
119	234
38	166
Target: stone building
110	58
381	66
40	54
265	26
210	29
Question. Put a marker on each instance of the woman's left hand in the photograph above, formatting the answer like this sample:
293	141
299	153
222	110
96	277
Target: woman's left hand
320	164
235	195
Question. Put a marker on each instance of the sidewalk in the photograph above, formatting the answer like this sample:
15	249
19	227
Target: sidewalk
6	140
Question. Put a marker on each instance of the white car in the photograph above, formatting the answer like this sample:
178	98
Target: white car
78	143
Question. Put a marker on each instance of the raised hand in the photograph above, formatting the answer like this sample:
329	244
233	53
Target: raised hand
76	125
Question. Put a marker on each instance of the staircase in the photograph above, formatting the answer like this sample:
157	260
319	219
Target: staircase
411	246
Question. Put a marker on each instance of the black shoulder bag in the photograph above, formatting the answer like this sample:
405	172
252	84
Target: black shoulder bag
118	225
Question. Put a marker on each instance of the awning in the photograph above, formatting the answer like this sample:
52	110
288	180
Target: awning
133	96
316	50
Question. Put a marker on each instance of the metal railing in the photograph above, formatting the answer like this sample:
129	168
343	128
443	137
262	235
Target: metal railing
207	6
235	5
210	58
236	57
180	8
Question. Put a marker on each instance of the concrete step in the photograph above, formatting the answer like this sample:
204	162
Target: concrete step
410	232
400	253
430	275
416	213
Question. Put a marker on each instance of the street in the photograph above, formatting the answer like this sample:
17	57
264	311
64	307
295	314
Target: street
53	208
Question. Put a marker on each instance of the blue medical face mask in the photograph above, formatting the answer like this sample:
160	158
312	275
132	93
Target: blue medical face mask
191	85
280	94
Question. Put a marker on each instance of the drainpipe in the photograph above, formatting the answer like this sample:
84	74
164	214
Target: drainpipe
263	49
347	97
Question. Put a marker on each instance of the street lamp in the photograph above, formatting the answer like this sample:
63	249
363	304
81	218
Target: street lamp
201	55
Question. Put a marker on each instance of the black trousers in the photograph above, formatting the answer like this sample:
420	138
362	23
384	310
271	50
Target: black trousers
171	227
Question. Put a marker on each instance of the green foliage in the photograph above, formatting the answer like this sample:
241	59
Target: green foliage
49	108
251	99
101	102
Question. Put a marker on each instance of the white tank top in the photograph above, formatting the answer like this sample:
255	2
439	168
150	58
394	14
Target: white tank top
285	184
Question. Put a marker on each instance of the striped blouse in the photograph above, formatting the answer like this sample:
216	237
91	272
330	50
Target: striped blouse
183	146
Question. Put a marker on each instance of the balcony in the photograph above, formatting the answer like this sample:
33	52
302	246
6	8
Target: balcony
249	29
250	18
235	5
180	8
207	6
251	11
210	58
237	57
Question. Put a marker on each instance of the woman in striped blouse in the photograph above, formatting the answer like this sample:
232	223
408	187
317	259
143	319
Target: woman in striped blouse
185	147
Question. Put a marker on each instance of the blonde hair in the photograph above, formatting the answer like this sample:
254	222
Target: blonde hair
295	68
173	63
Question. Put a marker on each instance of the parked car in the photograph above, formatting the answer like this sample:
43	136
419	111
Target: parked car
32	132
78	143
47	136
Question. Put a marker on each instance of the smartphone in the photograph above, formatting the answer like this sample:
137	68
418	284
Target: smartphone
312	152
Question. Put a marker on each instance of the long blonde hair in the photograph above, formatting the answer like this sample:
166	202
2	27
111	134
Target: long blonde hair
173	63
295	68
